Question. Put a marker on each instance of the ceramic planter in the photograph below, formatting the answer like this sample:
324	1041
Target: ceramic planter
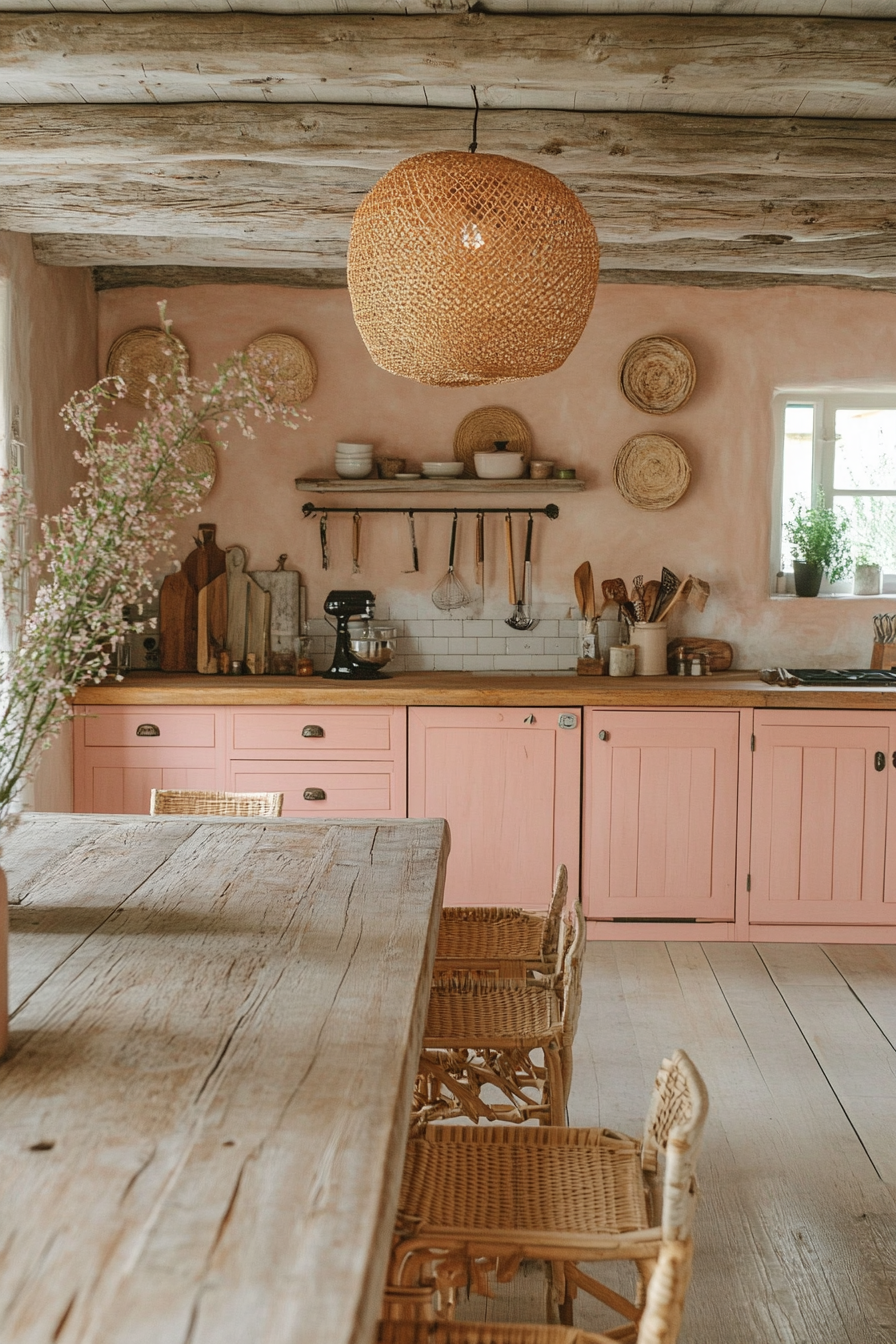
807	578
866	582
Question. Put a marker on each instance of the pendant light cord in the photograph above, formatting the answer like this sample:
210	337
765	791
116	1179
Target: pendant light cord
475	143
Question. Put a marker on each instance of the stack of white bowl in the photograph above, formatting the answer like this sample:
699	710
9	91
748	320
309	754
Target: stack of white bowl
354	461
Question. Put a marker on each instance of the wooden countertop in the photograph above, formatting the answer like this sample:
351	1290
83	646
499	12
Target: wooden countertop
216	1027
742	690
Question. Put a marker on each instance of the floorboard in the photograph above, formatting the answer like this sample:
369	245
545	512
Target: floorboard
796	1234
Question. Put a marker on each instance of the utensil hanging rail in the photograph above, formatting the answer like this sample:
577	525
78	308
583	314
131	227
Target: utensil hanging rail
309	510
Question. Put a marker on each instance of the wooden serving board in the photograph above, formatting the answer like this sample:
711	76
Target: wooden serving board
178	618
719	654
284	587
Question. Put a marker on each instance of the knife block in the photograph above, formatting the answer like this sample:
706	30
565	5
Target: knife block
883	657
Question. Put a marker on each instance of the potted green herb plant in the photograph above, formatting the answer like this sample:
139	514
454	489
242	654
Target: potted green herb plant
819	541
866	580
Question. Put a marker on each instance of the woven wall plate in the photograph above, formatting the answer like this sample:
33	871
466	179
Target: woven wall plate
138	353
290	362
199	457
657	374
479	431
651	471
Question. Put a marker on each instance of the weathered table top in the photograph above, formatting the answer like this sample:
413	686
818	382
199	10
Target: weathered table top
203	1115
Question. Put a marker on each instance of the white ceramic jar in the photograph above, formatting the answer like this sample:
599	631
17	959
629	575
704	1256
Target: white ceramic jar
648	638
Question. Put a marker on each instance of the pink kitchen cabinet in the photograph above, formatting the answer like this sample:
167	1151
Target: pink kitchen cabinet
660	814
508	783
122	753
824	785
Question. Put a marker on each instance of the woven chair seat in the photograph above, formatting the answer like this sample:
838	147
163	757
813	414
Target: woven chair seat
501	1177
476	1332
497	1014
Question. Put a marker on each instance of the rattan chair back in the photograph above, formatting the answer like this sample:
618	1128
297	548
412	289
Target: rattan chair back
476	1332
504	938
674	1127
209	803
666	1292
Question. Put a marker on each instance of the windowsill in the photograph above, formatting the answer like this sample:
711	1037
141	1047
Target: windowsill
837	597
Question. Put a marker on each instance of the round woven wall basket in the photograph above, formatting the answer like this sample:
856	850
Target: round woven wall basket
466	269
287	362
200	460
479	431
657	374
651	471
137	354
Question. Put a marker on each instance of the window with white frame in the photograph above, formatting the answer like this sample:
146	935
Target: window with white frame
840	448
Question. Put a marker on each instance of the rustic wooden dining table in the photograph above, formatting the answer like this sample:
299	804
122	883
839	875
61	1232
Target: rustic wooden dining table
203	1112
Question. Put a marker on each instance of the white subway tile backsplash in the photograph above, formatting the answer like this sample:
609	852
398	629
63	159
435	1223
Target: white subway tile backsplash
564	646
419	663
477	662
448	627
463	646
434	645
525	644
449	662
418	627
497	644
525	662
477	628
548	629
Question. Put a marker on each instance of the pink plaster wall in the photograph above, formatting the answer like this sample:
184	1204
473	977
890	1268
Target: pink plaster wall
52	353
746	346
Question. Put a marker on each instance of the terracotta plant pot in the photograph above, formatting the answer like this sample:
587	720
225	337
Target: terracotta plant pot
807	578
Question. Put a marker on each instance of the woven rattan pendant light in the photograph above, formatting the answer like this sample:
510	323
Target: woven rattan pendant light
469	268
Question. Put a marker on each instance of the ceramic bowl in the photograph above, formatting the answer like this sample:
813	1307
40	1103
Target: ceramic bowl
436	469
499	466
355	449
353	471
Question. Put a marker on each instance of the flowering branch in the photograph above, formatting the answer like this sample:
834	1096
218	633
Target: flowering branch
97	554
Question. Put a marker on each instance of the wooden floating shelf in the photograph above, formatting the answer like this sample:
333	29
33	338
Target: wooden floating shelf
441	486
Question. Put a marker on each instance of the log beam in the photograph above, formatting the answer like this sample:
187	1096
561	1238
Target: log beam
373	139
288	206
705	64
865	258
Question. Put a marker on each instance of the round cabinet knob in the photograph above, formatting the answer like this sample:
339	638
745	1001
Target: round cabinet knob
604	735
314	796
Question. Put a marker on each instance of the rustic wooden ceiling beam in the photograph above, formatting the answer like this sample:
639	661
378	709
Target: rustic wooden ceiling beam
316	135
268	202
177	277
708	63
868	258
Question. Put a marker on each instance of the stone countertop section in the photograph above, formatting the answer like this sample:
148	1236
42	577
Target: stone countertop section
737	690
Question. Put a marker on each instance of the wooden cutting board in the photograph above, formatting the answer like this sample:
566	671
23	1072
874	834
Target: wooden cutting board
178	618
208	560
248	612
719	654
284	588
211	623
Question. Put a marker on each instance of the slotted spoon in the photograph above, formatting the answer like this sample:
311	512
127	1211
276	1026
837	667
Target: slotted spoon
451	593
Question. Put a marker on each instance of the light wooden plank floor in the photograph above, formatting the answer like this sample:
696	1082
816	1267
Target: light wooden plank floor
796	1235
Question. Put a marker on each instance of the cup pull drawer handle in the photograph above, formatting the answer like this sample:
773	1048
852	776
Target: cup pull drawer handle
148	730
880	760
314	796
312	730
603	735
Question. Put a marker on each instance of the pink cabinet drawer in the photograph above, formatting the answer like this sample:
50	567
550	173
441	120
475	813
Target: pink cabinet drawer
149	726
349	788
311	731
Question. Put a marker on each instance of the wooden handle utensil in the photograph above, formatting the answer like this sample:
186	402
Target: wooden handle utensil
508	546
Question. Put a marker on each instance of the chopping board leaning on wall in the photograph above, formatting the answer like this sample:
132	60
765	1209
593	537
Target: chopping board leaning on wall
179	602
248	612
283	586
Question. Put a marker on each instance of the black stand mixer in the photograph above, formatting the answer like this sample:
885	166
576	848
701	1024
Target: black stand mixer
343	603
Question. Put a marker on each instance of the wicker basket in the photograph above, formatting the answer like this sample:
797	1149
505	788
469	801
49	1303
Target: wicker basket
208	803
471	268
651	471
479	431
287	362
142	352
657	374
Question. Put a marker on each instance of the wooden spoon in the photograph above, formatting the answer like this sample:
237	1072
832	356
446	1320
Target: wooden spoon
579	581
651	597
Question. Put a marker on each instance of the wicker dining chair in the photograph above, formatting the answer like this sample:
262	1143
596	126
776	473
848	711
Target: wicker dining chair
502	939
480	1198
509	1037
659	1324
208	803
